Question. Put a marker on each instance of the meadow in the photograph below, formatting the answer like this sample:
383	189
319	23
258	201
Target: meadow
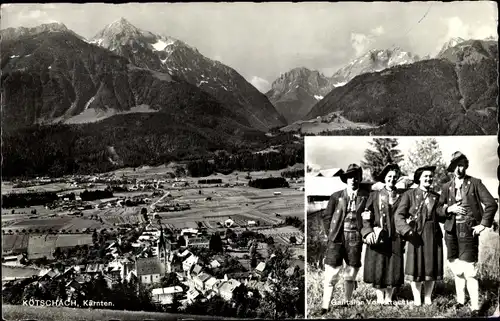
17	312
443	298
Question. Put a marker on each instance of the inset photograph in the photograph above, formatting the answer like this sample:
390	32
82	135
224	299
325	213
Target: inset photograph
401	227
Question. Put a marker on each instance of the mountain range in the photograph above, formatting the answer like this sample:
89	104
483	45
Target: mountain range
453	94
164	95
101	75
162	53
295	92
90	99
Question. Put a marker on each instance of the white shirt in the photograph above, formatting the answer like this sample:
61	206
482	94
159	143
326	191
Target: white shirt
458	182
352	199
458	185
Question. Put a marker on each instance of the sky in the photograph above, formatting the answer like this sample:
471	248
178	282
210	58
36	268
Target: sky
263	40
323	152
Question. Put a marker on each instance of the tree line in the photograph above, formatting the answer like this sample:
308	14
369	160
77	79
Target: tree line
95	195
270	182
28	199
130	141
226	163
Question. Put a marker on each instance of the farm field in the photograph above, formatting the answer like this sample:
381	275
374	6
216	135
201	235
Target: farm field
210	205
10	272
16	243
8	187
42	225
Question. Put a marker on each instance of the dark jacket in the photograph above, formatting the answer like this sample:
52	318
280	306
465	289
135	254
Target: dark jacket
378	205
411	204
474	194
335	212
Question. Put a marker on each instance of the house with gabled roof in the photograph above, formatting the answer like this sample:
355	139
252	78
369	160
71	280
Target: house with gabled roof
214	264
196	270
149	270
199	281
257	285
260	268
226	289
166	295
189	262
211	284
192	294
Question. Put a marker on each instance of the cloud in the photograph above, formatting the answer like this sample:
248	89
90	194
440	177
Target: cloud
378	31
457	28
35	17
261	84
360	42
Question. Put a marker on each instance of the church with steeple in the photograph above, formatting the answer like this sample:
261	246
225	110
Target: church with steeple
165	252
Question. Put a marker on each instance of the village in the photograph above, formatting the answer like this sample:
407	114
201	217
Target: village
178	241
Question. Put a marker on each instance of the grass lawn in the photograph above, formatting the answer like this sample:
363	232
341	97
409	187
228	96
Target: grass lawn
364	295
443	297
18	312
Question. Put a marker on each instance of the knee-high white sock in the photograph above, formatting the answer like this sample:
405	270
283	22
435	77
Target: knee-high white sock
388	294
327	295
428	288
416	288
460	287
380	295
473	289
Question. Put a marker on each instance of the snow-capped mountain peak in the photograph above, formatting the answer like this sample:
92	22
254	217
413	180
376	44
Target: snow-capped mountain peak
169	55
451	43
373	61
53	27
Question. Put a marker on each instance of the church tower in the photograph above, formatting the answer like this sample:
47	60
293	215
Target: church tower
164	249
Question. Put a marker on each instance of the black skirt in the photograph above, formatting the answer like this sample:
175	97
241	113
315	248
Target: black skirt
383	264
424	259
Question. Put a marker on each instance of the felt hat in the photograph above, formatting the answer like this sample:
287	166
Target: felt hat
352	171
420	170
389	167
455	158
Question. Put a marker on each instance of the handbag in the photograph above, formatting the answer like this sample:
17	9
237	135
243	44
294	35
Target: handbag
412	220
381	236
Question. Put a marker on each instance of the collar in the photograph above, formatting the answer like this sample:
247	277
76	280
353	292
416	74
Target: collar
389	190
352	193
459	181
424	190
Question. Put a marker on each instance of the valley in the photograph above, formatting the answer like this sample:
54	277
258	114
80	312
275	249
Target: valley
324	124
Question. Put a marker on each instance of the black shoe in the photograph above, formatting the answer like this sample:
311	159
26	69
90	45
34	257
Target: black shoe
324	311
475	314
459	306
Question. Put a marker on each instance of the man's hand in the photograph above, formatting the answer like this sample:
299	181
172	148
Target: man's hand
366	215
370	238
476	230
456	209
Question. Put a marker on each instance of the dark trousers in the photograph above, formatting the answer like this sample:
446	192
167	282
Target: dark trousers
461	243
346	247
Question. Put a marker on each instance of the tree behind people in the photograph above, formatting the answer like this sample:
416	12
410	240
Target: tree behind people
385	152
427	152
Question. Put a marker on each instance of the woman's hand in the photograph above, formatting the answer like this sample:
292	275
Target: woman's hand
371	238
366	215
